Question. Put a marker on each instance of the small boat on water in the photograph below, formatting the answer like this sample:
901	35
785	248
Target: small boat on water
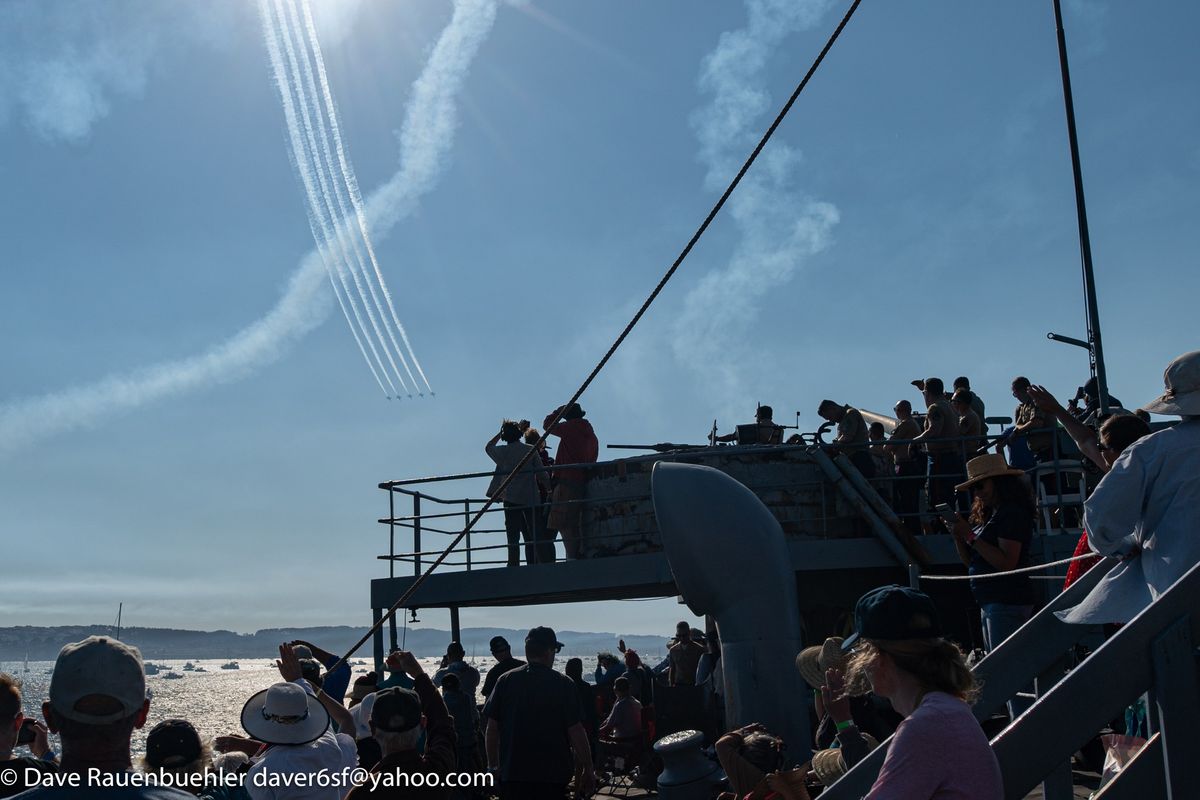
199	669
231	665
151	668
189	667
172	676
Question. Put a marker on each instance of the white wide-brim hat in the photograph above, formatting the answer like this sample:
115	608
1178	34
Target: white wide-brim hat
1181	380
284	714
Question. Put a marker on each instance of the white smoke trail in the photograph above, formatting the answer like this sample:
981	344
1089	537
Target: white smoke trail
780	226
316	220
321	205
342	222
352	185
303	306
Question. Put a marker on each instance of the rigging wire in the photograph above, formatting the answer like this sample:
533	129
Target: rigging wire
558	413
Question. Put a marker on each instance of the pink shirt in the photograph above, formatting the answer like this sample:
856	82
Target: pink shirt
939	752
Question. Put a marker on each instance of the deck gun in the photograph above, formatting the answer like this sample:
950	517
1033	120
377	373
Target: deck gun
661	447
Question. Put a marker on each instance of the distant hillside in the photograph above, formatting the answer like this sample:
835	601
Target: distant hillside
43	644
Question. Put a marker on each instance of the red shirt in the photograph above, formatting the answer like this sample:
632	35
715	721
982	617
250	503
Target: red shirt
578	445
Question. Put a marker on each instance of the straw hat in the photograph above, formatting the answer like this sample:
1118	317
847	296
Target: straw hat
992	465
1182	383
829	764
813	661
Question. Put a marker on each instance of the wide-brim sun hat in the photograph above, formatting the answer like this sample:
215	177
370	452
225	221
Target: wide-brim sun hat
829	765
992	465
813	661
284	714
1181	384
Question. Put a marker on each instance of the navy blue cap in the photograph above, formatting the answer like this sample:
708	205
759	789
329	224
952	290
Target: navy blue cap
894	612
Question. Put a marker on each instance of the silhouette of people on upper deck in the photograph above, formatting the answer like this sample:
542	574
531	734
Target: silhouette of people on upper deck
910	467
577	445
521	499
762	431
947	467
964	383
852	436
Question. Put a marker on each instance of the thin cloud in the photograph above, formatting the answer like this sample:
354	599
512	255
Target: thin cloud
65	65
430	120
779	226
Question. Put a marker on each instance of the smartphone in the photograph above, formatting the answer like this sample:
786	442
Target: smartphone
28	732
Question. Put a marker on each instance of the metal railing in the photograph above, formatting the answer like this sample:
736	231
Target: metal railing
1155	653
820	519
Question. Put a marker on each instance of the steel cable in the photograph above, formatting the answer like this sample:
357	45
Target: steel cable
557	416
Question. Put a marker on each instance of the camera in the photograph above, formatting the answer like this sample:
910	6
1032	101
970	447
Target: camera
28	732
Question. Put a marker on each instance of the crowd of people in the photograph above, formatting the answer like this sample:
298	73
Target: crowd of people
540	733
535	731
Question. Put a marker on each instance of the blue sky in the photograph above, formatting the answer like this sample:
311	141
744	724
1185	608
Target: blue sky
913	216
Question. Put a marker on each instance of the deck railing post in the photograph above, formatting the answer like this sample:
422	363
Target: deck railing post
466	522
417	534
1176	700
391	534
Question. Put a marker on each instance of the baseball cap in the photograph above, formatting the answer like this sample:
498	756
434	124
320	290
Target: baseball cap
98	665
499	643
543	637
894	612
396	709
172	742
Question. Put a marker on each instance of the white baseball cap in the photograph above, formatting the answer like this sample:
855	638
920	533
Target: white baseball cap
98	665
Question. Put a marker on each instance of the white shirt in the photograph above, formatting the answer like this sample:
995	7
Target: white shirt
335	753
523	490
1151	500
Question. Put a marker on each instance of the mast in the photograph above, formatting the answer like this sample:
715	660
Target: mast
1095	350
120	606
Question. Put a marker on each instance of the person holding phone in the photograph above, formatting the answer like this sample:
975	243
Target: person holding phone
996	538
16	730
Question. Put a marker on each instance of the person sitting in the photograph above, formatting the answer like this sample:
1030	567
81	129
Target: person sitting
852	438
97	699
939	750
762	431
13	723
625	719
398	718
